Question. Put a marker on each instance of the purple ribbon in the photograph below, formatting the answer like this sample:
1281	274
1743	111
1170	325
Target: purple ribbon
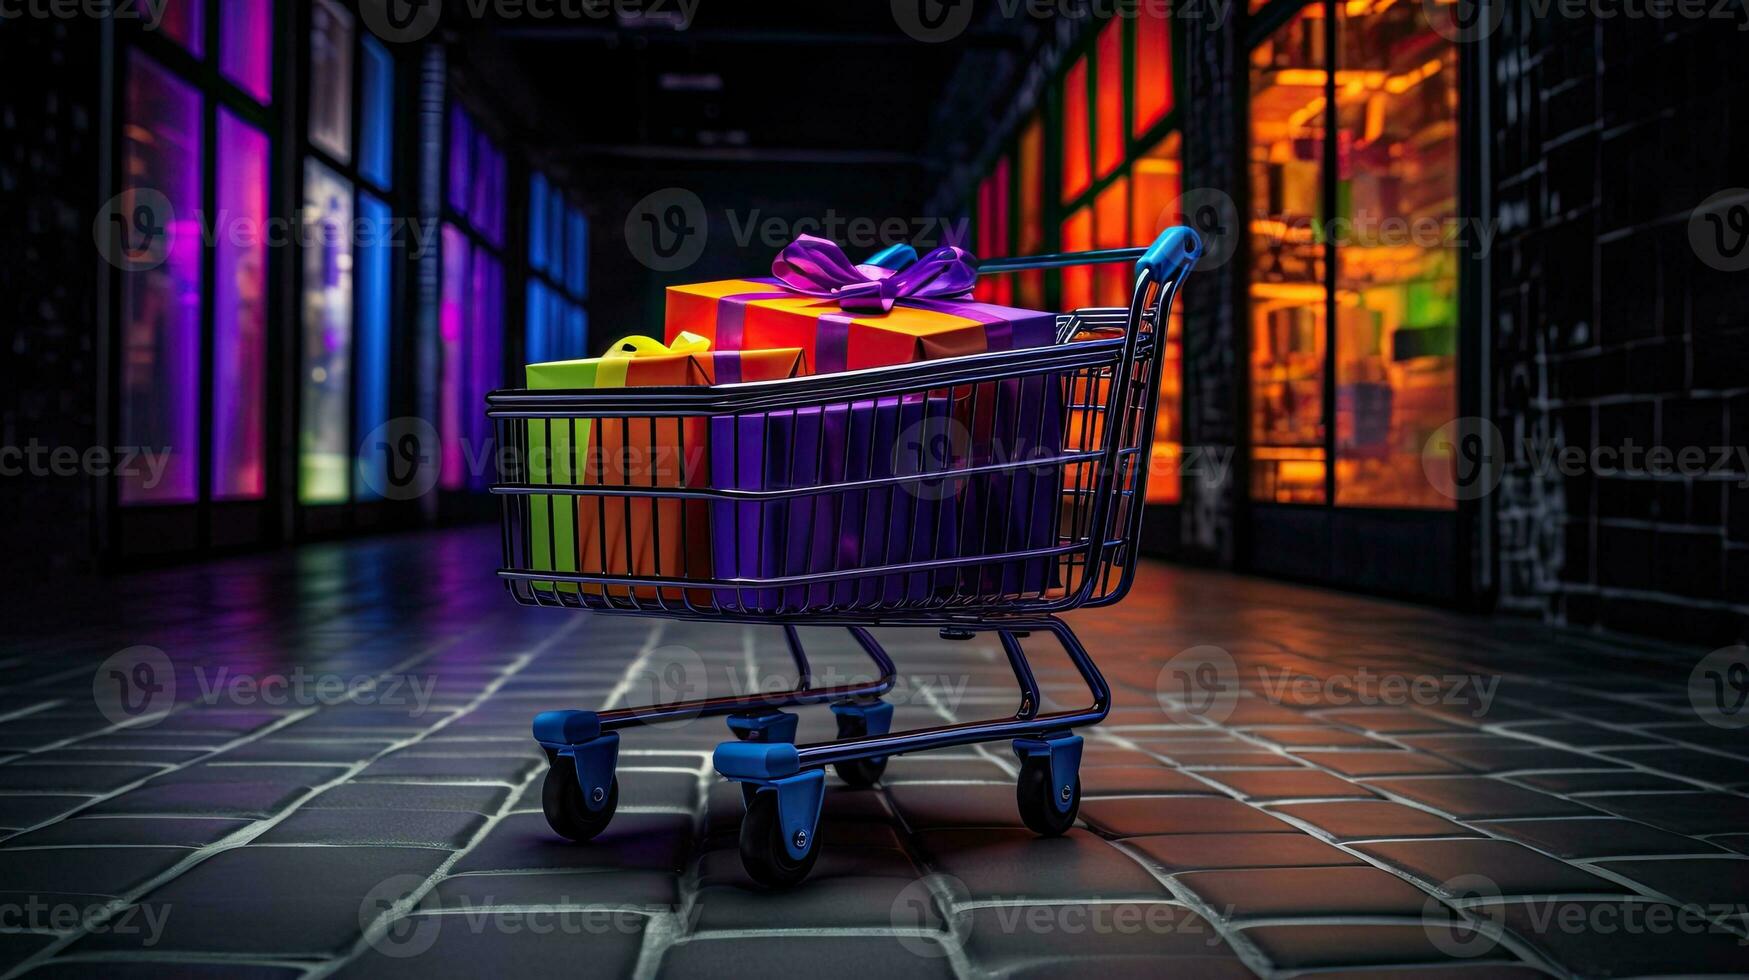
817	267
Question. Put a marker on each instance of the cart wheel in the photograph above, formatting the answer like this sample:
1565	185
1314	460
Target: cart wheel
562	800
763	850
860	773
1038	799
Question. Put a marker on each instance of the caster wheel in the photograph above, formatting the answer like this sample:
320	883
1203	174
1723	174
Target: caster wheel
860	773
562	800
1038	799
763	850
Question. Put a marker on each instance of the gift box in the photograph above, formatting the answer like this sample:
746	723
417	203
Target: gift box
844	317
604	535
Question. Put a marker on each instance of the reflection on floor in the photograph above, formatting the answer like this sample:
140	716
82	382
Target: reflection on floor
1290	780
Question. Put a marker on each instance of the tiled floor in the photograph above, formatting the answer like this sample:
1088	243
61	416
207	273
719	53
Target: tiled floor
1290	781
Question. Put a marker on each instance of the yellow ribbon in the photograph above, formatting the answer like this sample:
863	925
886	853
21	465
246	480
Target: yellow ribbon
610	372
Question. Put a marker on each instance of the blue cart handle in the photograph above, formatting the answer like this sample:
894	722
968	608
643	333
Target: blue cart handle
1173	252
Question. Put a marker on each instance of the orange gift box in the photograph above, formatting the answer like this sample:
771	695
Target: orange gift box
667	538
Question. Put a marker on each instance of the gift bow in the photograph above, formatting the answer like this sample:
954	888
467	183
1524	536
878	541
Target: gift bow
817	267
610	371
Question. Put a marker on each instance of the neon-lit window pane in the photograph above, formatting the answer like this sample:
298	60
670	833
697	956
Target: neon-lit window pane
537	340
1113	281
485	355
331	79
452	318
246	45
184	21
1289	327
1029	287
577	255
1077	169
993	232
1155	181
1108	98
537	222
576	332
1154	187
487	211
325	384
1396	300
556	208
1153	97
1078	280
160	306
376	319
461	160
376	153
240	312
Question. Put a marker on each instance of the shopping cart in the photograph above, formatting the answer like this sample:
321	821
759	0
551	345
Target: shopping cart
1068	426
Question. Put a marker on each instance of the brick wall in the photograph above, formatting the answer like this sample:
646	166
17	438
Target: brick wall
48	275
1611	326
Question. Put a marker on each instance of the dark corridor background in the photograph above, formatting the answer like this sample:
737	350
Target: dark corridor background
1600	154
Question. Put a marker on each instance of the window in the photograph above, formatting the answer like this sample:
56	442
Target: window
1353	362
1396	298
1288	293
1117	191
171	321
1077	171
161	307
331	35
558	260
347	338
239	465
471	316
246	46
993	230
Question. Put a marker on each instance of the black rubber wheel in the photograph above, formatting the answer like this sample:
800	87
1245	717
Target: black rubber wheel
763	850
1038	799
562	800
859	773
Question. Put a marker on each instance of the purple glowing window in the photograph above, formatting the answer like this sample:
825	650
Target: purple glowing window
461	159
161	300
246	45
184	21
452	315
487	213
485	355
239	312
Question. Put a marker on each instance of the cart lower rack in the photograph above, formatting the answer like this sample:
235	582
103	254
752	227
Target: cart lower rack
985	493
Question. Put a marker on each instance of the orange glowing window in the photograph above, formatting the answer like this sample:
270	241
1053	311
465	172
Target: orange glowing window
1111	229
993	232
1108	99
1078	280
1153	97
1029	287
1077	172
1155	180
